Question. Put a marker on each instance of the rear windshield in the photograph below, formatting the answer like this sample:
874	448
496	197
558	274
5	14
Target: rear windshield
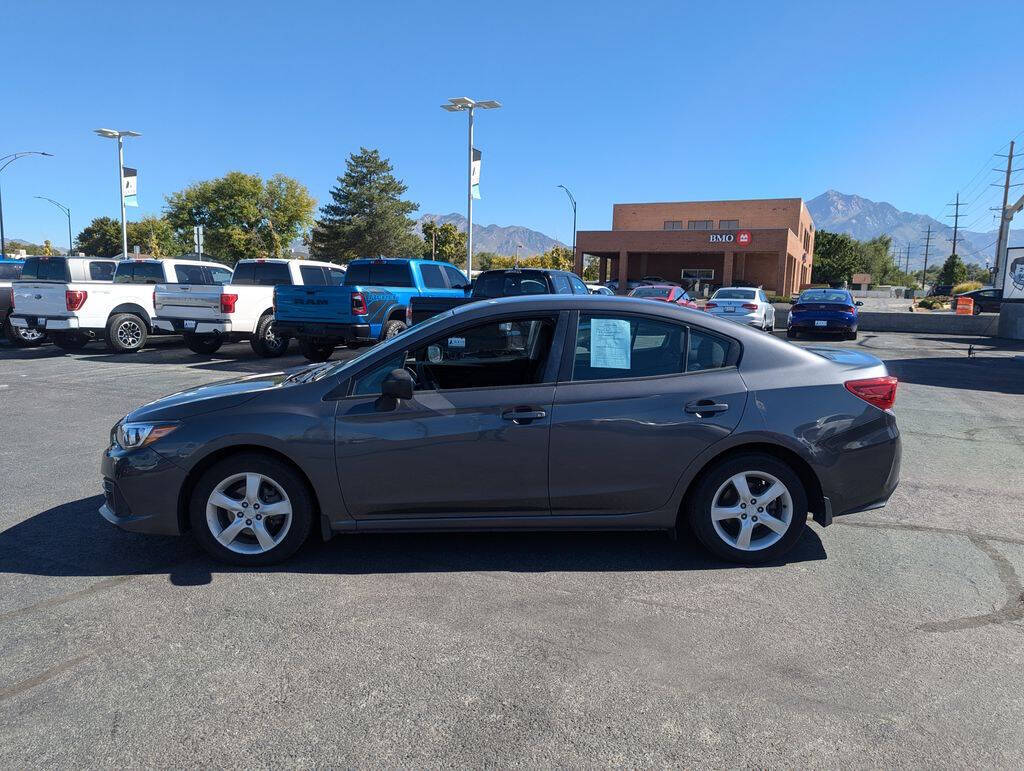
491	285
262	274
139	273
734	294
46	269
651	291
9	271
824	296
379	274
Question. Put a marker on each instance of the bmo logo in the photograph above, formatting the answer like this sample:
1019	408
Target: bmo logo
743	237
740	237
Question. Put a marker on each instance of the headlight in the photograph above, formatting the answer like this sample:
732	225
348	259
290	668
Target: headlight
132	436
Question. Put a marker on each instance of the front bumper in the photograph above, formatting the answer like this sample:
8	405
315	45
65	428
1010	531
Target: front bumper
45	323
346	333
140	491
192	326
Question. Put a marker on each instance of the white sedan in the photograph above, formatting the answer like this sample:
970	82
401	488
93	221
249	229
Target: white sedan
747	306
599	289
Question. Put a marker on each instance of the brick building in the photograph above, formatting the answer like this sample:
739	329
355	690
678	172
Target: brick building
767	243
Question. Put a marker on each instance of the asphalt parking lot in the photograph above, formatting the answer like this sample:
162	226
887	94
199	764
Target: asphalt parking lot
894	637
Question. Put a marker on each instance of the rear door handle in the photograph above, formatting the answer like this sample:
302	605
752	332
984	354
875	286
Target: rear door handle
524	414
703	407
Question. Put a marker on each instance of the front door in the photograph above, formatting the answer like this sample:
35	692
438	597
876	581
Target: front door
644	397
473	440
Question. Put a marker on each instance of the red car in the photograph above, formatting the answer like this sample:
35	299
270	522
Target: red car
665	293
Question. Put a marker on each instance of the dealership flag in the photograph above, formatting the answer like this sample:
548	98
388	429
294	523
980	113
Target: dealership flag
131	187
475	176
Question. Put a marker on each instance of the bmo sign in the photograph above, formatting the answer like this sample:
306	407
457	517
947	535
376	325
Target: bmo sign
740	238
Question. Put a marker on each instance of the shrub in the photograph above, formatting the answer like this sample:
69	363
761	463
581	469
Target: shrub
774	298
967	286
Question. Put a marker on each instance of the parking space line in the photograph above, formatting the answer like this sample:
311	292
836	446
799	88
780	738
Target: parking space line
42	677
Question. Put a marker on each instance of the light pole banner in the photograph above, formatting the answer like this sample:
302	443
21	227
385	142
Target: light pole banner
475	176
131	187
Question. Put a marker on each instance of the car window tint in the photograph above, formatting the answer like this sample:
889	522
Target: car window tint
10	271
148	273
124	272
511	284
98	271
46	269
191	274
706	351
245	273
455	277
561	284
391	274
433	277
617	347
358	273
335	276
272	274
220	275
577	285
313	275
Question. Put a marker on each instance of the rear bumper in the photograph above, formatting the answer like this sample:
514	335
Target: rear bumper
346	333
810	324
45	323
869	470
196	326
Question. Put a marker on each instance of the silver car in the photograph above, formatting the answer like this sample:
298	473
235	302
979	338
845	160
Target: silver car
747	306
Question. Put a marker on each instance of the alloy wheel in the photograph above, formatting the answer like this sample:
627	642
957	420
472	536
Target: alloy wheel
249	513
129	334
751	510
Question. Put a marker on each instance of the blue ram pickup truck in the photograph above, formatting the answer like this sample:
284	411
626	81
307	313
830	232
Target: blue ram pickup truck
370	305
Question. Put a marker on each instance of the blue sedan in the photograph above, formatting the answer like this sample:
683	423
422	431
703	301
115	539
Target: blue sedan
824	310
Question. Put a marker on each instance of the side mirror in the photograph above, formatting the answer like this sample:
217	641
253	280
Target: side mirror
397	385
858	303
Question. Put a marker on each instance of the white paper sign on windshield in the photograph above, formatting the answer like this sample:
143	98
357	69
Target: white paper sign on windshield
609	343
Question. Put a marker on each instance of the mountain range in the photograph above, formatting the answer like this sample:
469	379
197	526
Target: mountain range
495	238
863	218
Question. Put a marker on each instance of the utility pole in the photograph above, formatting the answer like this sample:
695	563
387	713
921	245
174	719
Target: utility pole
433	244
927	244
1004	220
907	271
956	219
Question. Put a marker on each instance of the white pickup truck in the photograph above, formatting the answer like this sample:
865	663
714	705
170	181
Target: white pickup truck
243	310
57	296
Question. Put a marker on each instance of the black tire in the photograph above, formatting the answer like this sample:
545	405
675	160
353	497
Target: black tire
792	334
392	328
282	475
23	337
126	333
315	351
701	498
265	343
204	344
851	335
69	341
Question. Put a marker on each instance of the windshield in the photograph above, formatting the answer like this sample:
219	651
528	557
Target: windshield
824	296
651	291
733	294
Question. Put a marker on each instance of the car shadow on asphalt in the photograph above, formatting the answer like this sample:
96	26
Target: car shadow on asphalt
72	539
1000	374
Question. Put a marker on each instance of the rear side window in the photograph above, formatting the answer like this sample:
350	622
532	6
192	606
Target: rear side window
10	271
706	351
46	269
313	275
191	274
379	274
433	277
100	271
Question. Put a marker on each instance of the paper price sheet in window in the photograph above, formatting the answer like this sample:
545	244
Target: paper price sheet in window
610	343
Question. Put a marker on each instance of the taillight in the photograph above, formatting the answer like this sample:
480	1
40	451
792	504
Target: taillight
358	304
154	298
75	298
750	306
849	309
227	303
408	315
710	305
879	391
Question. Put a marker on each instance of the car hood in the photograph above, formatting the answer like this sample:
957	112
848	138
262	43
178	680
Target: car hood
212	397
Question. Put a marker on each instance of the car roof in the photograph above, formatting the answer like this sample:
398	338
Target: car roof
285	261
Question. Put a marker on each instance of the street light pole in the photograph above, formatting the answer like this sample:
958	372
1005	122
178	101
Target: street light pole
66	211
572	200
119	136
7	160
460	104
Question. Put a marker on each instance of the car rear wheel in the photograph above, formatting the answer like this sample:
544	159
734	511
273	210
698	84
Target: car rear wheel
851	335
750	508
265	342
205	344
23	337
69	341
126	333
313	351
792	334
251	510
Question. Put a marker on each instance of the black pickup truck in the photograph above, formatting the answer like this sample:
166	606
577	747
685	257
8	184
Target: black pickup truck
492	284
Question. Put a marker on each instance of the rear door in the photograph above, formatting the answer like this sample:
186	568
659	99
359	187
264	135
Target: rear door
638	398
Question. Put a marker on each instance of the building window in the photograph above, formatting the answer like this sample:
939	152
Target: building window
807	240
728	224
702	274
673	225
700	225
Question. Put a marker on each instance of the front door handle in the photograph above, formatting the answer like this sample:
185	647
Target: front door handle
703	407
524	414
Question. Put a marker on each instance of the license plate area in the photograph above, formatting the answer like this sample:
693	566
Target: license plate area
730	310
821	323
190	324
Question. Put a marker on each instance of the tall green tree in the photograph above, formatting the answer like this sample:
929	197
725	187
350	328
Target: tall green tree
157	237
100	238
242	215
953	271
836	258
367	216
445	241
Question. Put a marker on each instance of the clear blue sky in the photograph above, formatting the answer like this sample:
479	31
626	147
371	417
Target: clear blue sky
619	101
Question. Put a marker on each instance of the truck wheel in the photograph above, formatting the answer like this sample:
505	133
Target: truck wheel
313	351
126	333
23	337
69	341
205	344
391	329
265	341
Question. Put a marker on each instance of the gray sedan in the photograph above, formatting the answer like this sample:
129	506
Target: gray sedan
544	412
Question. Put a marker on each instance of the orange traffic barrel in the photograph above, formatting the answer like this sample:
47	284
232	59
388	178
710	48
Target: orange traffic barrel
964	306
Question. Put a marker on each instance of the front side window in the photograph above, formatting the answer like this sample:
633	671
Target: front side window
561	284
508	352
335	276
577	284
312	275
456	278
433	277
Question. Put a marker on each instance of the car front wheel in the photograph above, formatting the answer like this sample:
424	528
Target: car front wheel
750	508
251	509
